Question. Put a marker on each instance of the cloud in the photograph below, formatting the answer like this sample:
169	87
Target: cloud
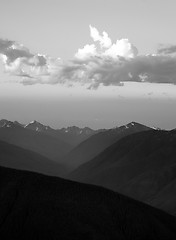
86	52
171	49
122	47
100	63
104	40
13	50
19	61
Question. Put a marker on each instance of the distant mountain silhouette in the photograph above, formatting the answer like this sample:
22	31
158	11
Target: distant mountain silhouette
19	158
37	126
75	135
39	142
141	165
8	124
34	206
70	135
94	145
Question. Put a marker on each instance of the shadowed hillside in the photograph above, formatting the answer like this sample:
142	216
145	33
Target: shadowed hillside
142	166
39	142
99	142
35	206
19	158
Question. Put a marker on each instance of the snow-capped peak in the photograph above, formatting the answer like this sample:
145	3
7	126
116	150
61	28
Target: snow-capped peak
37	126
156	128
33	122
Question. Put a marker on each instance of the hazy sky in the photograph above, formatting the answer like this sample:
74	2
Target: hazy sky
97	63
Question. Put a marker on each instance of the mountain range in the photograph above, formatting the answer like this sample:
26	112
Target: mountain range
70	135
133	159
38	142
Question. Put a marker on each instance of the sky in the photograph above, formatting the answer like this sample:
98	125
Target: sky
88	63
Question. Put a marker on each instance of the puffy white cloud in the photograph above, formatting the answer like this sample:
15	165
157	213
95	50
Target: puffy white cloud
122	47
104	40
86	52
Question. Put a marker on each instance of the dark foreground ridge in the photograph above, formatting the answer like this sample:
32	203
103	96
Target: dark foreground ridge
35	206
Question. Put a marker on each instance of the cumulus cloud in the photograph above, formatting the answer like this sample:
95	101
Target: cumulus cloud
122	47
86	52
104	40
100	63
19	61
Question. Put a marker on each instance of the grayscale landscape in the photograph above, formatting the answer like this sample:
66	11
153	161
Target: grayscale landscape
87	120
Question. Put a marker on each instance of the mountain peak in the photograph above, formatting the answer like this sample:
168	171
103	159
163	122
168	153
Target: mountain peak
131	125
35	122
4	123
135	124
36	126
77	131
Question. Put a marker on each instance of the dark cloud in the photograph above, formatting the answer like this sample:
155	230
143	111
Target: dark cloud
167	49
13	50
5	44
13	54
41	60
96	71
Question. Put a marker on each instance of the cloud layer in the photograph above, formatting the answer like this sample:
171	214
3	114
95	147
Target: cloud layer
100	63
